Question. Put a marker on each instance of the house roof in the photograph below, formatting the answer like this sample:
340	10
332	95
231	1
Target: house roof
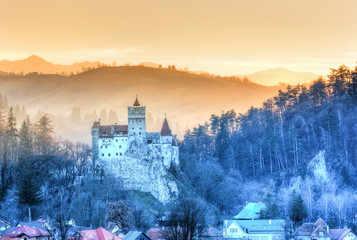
256	226
34	224
111	130
210	231
338	234
74	229
165	130
155	233
98	234
8	238
313	229
28	231
251	211
96	124
132	235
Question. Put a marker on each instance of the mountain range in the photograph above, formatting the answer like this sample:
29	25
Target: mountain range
269	77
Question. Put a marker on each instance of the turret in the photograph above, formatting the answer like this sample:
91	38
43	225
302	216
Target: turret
166	135
136	121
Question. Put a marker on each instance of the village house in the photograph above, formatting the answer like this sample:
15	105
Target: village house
254	229
95	234
321	231
27	233
247	226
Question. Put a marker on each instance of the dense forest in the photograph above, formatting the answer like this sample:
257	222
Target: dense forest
297	151
303	139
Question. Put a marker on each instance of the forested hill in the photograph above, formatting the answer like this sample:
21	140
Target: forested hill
302	139
187	98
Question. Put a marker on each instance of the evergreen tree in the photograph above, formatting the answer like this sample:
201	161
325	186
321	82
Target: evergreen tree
44	135
338	80
28	187
11	136
297	209
25	139
272	209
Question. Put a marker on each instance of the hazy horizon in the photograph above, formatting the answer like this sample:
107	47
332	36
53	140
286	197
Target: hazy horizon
225	38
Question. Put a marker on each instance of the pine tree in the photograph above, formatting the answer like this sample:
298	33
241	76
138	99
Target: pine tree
11	136
44	135
28	188
25	139
297	209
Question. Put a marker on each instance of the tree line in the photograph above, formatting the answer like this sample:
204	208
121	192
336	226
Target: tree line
234	157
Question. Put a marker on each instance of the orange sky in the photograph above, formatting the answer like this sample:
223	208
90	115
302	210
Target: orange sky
219	36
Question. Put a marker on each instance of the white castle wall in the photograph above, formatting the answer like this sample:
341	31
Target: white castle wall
139	165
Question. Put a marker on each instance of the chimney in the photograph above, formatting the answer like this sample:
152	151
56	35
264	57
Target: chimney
112	129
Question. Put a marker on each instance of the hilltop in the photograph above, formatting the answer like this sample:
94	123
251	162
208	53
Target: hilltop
187	98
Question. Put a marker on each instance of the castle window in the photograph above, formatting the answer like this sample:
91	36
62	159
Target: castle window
141	128
117	154
102	154
139	133
117	140
132	128
101	146
121	154
108	154
119	146
106	147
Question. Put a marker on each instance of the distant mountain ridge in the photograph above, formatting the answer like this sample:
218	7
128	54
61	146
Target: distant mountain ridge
276	76
37	64
269	77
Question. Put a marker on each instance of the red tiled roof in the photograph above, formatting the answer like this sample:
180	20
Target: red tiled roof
28	231
165	130
96	124
106	130
8	238
98	234
155	233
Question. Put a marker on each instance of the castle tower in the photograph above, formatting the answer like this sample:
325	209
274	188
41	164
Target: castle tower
136	121
95	139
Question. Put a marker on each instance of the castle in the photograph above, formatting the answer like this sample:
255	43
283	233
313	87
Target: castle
140	159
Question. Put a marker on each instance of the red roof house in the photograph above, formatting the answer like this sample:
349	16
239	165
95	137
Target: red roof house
96	234
27	233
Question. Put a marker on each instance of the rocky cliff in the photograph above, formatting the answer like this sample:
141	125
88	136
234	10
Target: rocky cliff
143	169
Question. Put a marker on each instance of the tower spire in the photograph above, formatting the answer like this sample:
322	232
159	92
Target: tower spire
136	103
